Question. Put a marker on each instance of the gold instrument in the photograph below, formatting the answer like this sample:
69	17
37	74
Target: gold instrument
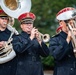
14	8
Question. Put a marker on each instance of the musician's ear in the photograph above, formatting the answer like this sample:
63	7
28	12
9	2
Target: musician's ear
60	23
21	26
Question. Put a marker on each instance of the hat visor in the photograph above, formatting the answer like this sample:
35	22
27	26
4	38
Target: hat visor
3	15
27	21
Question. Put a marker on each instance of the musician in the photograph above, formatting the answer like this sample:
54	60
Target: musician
29	47
61	47
7	68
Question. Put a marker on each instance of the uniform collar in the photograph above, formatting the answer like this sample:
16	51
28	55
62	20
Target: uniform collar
6	31
24	34
63	34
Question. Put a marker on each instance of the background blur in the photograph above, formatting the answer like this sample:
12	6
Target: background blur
45	11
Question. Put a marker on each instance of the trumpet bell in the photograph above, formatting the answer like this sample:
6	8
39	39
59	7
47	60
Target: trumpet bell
46	38
15	7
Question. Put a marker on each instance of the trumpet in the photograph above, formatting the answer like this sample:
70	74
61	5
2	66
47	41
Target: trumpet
44	37
73	36
71	29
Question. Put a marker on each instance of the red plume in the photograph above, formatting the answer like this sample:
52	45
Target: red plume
59	29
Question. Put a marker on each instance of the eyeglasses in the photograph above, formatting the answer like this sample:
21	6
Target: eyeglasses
4	18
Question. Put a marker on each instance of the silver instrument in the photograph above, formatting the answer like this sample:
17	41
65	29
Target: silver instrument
73	25
44	37
11	21
14	8
7	53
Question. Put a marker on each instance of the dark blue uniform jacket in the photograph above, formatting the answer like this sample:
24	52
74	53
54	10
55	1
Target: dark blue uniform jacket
65	62
8	68
29	53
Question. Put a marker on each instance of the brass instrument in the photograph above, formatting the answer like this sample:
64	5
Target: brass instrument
44	37
73	40
14	8
11	21
7	53
73	25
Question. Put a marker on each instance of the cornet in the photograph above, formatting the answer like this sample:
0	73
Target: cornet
71	28
44	37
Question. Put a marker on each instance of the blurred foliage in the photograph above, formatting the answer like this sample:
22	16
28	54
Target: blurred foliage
45	11
48	62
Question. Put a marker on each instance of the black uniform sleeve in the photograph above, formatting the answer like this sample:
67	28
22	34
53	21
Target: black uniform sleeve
21	44
44	50
58	50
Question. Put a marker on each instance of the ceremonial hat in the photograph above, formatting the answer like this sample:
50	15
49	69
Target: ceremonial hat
27	17
2	13
65	13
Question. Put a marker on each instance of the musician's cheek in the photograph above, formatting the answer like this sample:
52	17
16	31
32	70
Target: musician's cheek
1	45
75	33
